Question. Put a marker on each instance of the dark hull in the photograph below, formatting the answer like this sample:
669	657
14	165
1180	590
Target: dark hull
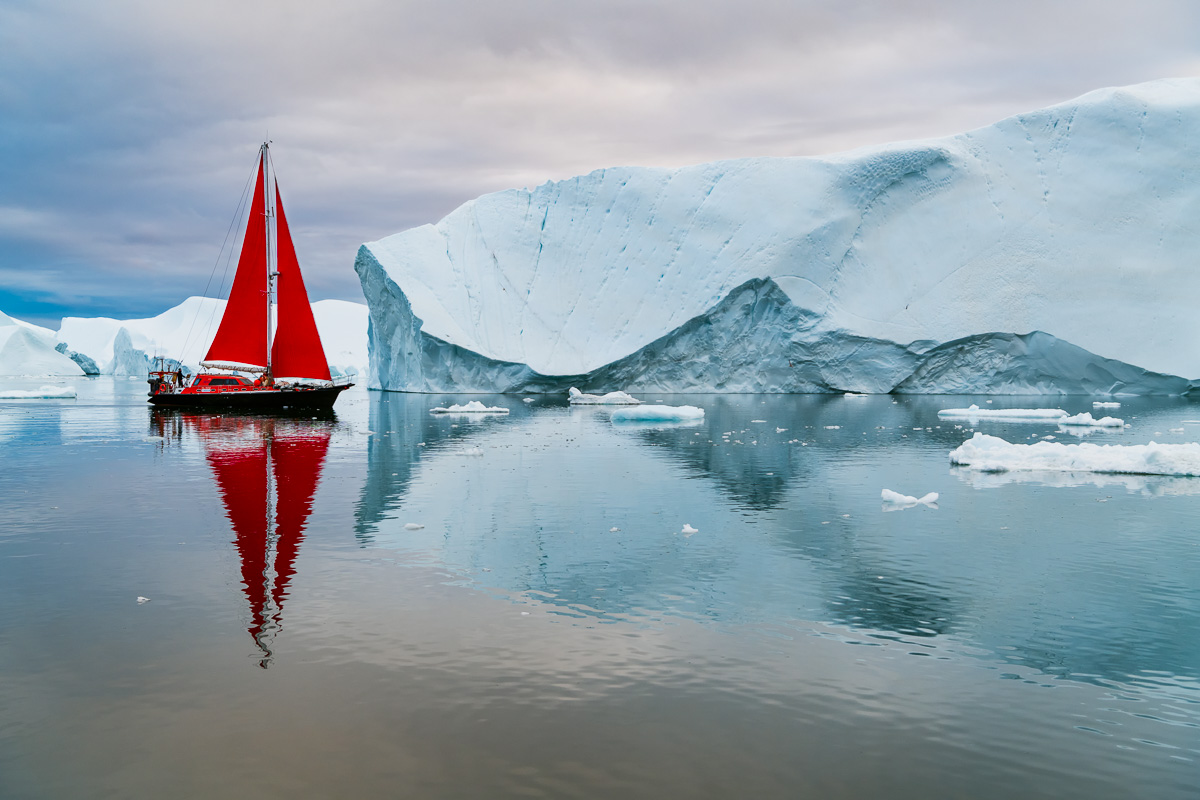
285	400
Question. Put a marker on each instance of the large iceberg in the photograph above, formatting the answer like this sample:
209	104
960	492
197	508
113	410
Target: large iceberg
1050	253
126	347
27	349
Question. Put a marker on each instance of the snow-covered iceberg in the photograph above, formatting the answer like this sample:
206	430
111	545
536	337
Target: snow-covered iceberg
30	350
125	347
1086	420
943	266
578	398
993	454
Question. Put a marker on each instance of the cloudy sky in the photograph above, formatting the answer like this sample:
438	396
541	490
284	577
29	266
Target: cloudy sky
128	128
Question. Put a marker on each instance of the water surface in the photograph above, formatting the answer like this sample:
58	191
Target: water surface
549	630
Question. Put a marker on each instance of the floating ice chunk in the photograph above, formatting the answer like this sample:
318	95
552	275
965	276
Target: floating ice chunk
657	414
780	430
758	420
993	454
473	407
689	530
894	501
413	526
853	394
527	400
1100	404
44	393
1085	420
578	398
1174	430
974	412
832	427
142	600
614	530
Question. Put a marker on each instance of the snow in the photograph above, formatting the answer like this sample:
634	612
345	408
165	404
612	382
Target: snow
646	413
894	500
879	257
578	398
993	454
46	392
185	331
473	407
1085	420
974	412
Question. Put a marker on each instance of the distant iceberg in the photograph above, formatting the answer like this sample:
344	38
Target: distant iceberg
30	350
473	407
993	454
942	266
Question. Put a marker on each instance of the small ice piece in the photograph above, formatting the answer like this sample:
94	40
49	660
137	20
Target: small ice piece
527	400
853	394
44	393
1099	404
473	407
758	420
657	414
689	530
1174	430
993	454
832	427
780	430
614	529
578	398
143	600
1085	420
894	501
974	413
413	526
524	613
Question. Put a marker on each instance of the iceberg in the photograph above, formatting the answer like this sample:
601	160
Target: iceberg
657	414
29	350
578	398
894	501
948	265
993	454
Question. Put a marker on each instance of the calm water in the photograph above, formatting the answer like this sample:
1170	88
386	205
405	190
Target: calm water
551	632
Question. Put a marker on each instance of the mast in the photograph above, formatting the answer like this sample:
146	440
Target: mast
272	271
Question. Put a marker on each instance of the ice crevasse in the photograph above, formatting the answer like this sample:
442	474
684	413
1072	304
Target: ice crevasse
1050	253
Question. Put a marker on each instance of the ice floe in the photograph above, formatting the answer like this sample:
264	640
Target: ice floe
473	407
974	412
894	501
1102	404
645	413
578	398
44	393
993	454
1085	420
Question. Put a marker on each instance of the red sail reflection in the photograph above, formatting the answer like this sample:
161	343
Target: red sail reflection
267	470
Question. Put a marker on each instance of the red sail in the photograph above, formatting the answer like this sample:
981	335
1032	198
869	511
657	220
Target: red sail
241	340
297	351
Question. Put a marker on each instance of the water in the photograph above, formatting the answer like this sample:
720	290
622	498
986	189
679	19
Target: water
1033	636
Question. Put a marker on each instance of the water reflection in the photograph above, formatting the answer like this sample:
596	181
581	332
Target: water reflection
267	470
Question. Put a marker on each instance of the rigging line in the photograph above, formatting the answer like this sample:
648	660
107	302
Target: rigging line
228	257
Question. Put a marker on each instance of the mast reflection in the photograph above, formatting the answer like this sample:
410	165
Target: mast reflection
267	470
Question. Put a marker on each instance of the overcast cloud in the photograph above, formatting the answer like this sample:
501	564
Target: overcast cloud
128	128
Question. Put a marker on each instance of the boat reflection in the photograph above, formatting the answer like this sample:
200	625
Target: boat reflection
267	470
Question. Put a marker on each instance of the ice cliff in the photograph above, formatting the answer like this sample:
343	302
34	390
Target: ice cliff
1052	252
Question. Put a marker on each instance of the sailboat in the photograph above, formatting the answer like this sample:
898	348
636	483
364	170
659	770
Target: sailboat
292	373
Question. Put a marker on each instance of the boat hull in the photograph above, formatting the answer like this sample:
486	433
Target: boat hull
287	400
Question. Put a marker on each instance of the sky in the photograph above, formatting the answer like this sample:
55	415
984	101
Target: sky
129	128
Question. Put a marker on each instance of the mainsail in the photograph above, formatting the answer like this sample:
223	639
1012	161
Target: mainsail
296	352
241	340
